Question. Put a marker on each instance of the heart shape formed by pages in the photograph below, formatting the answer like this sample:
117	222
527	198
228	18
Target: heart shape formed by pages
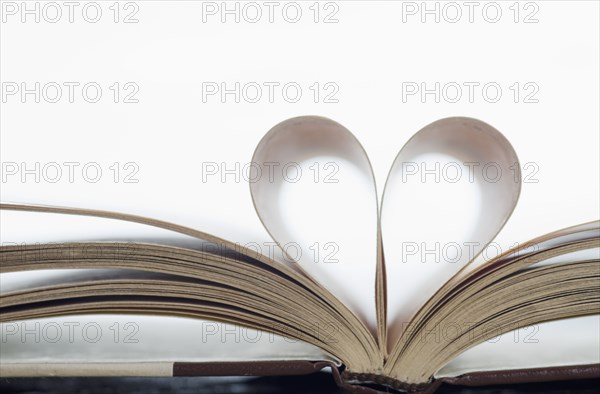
449	192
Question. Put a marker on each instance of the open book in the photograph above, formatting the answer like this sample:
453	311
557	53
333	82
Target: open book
185	284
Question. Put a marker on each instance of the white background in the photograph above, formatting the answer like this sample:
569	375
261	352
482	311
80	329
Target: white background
369	55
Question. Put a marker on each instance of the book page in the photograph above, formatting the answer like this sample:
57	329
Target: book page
552	344
136	345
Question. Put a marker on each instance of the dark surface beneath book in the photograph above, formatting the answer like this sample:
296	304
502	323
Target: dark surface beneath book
319	383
